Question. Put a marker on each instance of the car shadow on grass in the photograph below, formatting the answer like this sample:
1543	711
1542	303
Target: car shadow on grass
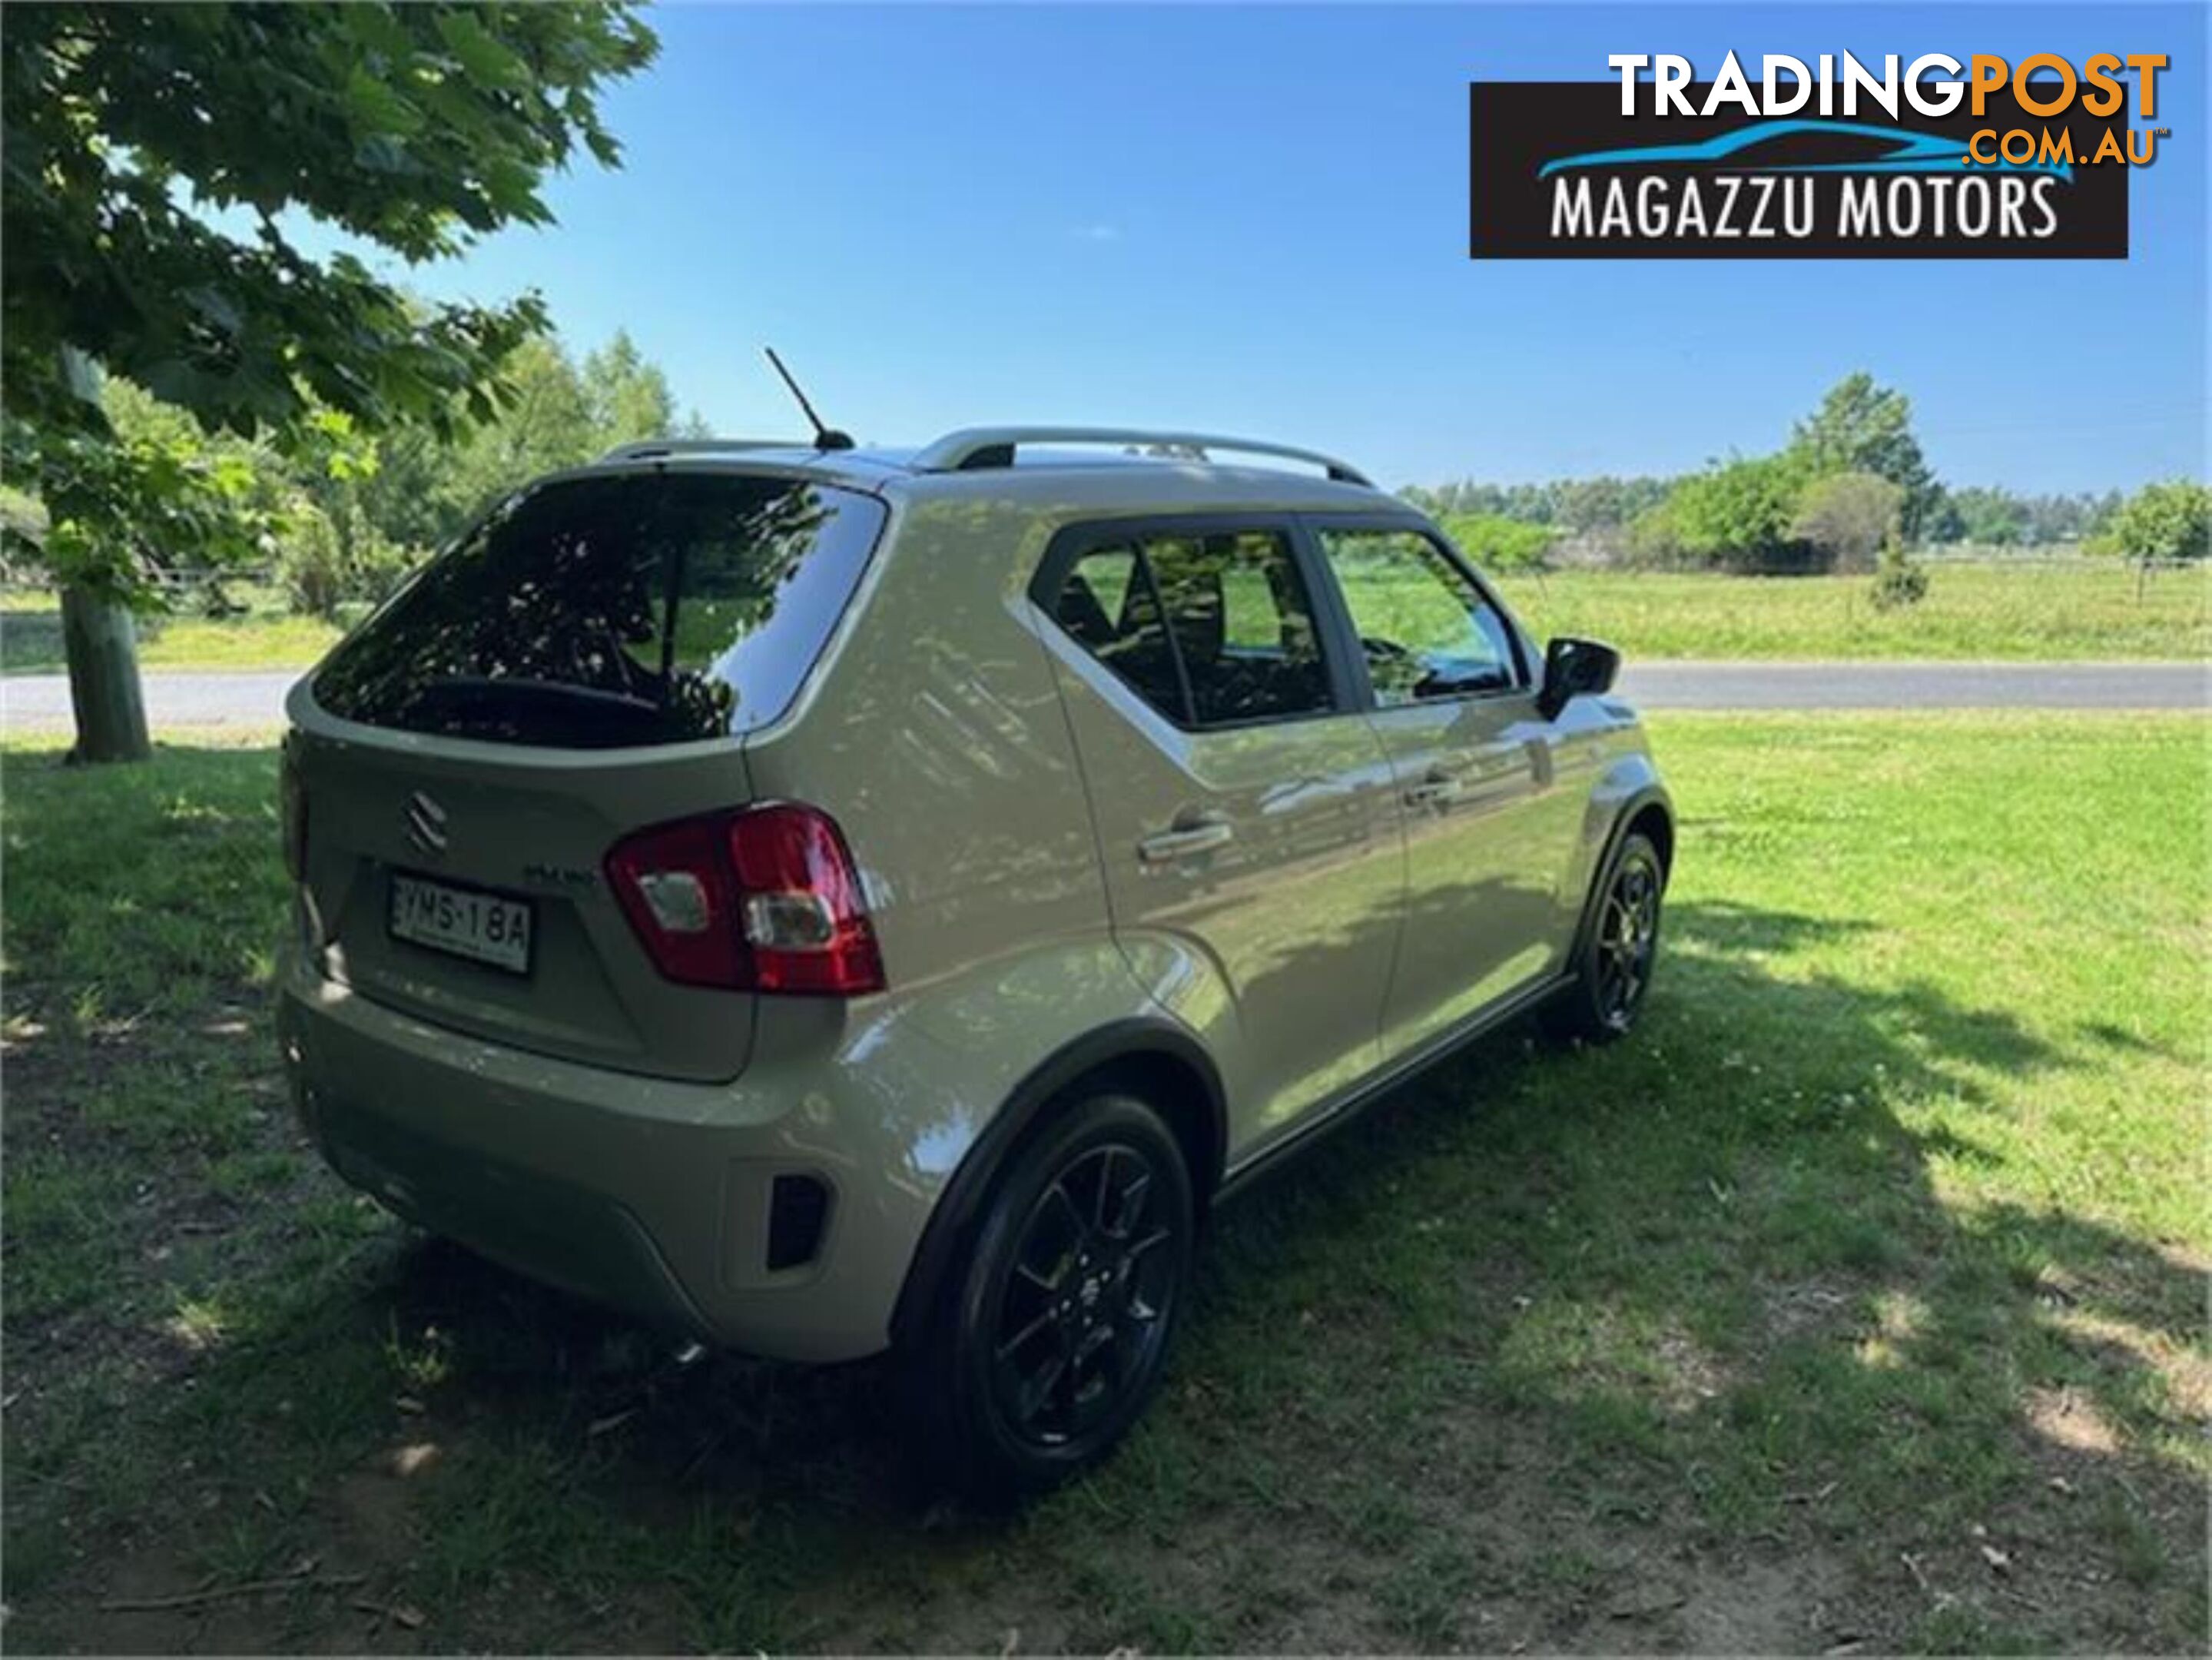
1675	1344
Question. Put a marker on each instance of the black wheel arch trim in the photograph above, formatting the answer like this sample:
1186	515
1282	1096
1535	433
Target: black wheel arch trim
1649	795
953	1217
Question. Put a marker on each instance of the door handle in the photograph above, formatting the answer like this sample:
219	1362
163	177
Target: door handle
1191	834
1438	789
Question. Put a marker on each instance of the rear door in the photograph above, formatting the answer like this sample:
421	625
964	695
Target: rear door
582	665
1245	813
1489	834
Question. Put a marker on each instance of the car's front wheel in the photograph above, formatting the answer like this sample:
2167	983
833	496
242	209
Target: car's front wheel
1619	948
1053	1339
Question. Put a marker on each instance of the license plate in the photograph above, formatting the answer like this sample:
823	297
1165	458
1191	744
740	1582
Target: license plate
483	928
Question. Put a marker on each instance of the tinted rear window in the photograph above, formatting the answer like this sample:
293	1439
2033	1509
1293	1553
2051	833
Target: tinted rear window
638	608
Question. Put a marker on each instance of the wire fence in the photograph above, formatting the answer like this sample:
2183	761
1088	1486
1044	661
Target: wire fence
252	588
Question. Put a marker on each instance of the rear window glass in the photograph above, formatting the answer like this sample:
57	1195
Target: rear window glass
638	608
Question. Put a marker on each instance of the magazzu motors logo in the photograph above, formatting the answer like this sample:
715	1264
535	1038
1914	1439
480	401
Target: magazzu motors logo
1983	159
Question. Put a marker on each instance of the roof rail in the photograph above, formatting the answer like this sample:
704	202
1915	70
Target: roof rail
645	449
973	448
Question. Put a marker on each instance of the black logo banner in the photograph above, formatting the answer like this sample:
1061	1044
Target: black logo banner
1557	173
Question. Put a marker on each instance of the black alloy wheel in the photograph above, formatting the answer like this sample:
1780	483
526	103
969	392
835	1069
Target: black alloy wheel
1055	1328
1083	1313
1618	951
1627	936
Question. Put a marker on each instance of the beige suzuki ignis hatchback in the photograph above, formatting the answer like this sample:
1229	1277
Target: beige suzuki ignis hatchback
826	901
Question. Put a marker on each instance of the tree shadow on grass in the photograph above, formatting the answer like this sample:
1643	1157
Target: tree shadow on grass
1686	1316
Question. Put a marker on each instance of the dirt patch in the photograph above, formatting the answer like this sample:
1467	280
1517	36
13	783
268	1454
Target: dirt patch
2068	1419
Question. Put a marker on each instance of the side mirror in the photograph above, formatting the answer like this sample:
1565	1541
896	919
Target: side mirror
1572	667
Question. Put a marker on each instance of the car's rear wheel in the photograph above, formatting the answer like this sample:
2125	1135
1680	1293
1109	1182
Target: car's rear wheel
1619	948
1052	1338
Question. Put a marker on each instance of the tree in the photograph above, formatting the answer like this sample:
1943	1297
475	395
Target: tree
1578	504
547	424
1738	514
191	499
1863	427
1499	543
625	396
380	506
1992	517
2171	521
1848	516
1601	503
124	130
1898	580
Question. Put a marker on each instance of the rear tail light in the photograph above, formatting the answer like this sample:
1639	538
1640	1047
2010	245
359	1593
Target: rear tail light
765	900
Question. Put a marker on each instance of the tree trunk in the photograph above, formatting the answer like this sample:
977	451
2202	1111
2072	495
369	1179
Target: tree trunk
103	669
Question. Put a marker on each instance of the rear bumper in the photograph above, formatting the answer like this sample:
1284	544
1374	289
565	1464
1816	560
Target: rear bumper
651	1196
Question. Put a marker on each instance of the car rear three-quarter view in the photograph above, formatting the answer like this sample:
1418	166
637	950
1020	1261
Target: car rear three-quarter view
827	902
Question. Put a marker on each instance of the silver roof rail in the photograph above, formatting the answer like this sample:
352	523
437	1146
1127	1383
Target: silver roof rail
645	449
973	448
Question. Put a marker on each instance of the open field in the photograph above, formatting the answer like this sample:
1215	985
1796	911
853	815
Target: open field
1861	1297
2084	611
267	637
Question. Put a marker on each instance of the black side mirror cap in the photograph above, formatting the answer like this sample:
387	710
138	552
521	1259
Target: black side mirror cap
1571	668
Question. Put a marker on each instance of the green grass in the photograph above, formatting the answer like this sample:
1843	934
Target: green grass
1881	1246
2082	612
267	637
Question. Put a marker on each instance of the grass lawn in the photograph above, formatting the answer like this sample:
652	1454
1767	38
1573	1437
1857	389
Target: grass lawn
2085	612
267	637
1859	1299
2024	612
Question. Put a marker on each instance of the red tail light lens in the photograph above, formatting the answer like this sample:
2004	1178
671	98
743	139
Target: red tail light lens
675	885
764	900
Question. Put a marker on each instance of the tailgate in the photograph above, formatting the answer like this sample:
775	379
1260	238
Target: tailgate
483	842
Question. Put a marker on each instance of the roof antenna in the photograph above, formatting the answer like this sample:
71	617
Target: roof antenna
825	438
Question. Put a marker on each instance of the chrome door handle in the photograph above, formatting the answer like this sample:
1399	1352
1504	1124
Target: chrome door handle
1188	836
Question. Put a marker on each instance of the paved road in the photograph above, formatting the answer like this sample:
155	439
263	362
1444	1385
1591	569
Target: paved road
256	699
1918	685
250	698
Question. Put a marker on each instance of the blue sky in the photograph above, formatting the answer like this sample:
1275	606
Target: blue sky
1253	220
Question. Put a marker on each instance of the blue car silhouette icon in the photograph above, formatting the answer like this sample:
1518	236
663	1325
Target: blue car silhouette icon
1901	152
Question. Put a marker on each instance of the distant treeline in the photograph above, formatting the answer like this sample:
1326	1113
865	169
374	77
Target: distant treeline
1985	515
1849	487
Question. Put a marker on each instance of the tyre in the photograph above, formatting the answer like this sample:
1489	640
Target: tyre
1050	1337
1617	950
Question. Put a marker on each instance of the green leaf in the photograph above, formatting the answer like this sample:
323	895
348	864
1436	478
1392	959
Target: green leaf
376	27
484	58
404	130
375	106
215	307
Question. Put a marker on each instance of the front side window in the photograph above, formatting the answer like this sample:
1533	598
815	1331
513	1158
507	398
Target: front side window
1212	628
632	608
1426	629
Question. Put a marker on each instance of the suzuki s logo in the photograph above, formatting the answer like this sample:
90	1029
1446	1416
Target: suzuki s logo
426	823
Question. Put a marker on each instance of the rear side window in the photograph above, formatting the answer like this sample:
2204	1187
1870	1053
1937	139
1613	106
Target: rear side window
1108	605
634	609
1212	629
